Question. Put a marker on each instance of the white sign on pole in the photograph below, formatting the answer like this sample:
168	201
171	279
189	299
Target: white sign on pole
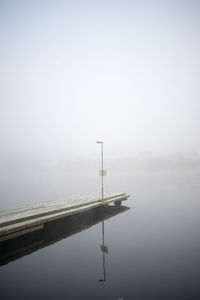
102	172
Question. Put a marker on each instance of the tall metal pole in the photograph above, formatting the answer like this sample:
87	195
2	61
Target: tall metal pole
102	170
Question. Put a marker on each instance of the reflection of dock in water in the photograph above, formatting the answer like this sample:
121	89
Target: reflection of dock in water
54	231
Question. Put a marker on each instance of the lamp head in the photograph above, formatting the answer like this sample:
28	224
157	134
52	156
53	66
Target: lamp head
99	142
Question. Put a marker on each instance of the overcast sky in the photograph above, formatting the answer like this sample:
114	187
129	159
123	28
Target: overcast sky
74	71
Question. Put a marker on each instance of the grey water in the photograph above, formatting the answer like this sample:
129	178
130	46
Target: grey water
153	248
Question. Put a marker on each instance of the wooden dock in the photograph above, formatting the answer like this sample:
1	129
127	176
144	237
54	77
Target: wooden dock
22	220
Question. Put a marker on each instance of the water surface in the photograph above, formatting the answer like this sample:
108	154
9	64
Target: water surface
151	251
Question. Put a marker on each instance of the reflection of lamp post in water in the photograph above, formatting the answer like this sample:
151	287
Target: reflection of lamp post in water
104	249
102	172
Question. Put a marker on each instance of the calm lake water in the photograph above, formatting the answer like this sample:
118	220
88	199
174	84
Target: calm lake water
153	248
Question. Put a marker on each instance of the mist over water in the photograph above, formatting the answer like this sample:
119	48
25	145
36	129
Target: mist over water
26	182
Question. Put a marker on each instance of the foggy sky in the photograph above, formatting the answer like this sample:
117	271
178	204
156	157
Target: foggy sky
75	71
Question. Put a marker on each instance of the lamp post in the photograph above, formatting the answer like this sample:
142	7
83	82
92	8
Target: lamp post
101	172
